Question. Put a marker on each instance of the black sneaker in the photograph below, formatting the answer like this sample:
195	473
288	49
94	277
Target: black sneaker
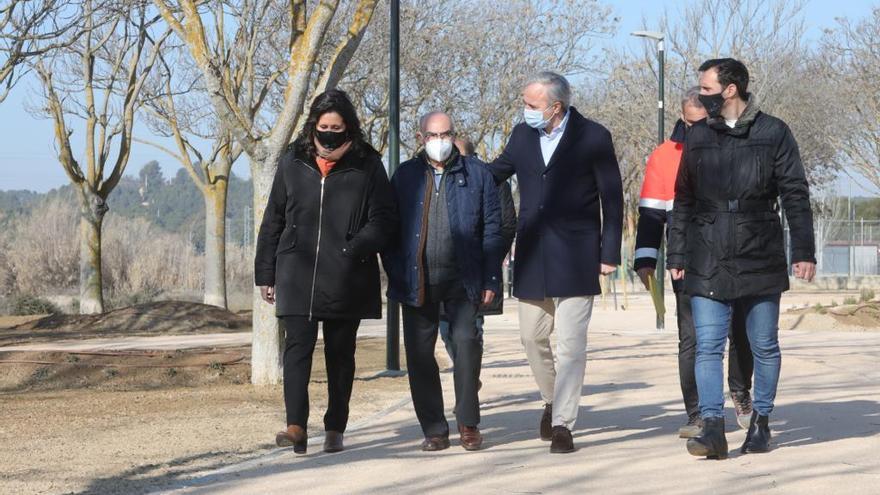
693	427
742	404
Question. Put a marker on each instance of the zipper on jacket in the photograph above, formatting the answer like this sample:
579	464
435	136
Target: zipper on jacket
317	248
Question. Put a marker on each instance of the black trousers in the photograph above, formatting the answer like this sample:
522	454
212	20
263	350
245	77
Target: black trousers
340	339
740	364
420	336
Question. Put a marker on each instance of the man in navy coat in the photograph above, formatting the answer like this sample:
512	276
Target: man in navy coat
571	216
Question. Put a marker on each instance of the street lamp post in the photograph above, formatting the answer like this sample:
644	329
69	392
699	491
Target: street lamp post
392	330
661	136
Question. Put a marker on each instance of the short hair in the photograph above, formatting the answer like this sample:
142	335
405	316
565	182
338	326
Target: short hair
423	120
692	97
558	88
468	146
730	71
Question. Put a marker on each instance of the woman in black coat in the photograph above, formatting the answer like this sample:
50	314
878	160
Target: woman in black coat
329	213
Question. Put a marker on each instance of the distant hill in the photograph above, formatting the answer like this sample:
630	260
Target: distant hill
174	204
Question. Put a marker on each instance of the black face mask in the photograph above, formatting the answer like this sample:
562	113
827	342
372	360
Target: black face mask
330	139
712	104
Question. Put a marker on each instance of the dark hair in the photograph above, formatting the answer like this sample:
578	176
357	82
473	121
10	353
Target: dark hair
730	71
333	100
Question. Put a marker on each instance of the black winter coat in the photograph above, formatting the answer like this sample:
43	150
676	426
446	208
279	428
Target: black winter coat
725	229
319	237
570	212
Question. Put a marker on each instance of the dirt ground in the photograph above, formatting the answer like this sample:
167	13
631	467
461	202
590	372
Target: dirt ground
156	318
859	317
106	423
130	421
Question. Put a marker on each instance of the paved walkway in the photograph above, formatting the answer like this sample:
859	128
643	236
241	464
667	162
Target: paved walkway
826	427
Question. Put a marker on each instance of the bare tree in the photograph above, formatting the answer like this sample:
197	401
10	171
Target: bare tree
177	107
98	79
471	58
852	61
32	28
264	136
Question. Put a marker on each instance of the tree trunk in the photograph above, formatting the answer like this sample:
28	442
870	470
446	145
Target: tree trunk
215	243
92	210
268	341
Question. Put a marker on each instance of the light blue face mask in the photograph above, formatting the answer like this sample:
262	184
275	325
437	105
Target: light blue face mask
535	118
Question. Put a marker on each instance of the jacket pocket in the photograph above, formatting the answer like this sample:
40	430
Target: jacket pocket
759	243
287	241
702	259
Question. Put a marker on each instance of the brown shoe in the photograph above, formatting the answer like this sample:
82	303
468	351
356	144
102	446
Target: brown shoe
433	444
333	442
294	436
562	443
546	428
471	439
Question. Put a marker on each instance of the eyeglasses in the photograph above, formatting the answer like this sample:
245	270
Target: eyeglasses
442	135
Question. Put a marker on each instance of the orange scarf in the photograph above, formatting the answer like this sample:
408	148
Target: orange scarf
325	165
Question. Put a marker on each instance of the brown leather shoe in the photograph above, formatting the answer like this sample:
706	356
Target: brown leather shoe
471	439
333	442
547	423
433	444
562	443
294	436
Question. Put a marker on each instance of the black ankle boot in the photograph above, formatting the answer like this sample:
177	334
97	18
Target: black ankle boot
711	443
758	437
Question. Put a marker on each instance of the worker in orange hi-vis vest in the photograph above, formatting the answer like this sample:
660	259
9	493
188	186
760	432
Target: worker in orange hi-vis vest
655	205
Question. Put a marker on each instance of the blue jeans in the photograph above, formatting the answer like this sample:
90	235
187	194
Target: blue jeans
712	320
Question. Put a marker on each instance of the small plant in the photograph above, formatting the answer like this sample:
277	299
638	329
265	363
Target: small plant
820	309
72	358
111	372
217	366
866	295
833	304
40	374
171	373
24	305
850	300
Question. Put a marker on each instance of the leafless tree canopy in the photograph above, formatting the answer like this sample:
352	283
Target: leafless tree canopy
31	28
470	59
851	65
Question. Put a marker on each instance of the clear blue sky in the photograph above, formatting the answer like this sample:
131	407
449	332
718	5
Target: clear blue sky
28	160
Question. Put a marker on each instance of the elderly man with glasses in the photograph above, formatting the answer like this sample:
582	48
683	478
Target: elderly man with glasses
448	251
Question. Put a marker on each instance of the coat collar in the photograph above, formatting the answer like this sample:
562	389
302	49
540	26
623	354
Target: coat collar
569	137
350	161
743	123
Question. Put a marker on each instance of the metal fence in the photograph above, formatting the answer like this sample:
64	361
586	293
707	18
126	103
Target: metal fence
846	247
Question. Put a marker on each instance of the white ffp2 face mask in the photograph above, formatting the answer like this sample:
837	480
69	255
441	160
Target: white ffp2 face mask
438	149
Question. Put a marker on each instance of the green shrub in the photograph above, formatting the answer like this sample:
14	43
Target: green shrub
820	309
833	304
31	305
850	300
866	295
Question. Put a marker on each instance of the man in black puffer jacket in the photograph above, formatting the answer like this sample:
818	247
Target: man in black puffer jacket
727	237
